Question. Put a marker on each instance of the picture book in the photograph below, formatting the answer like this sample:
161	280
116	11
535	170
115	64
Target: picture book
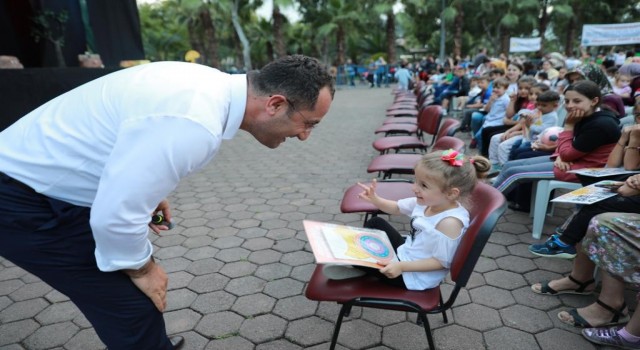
346	245
602	172
591	194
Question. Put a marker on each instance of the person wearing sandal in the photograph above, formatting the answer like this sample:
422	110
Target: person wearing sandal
613	244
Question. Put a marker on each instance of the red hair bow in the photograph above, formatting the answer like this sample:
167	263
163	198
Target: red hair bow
453	157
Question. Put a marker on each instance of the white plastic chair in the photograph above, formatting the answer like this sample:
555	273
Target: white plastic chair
542	191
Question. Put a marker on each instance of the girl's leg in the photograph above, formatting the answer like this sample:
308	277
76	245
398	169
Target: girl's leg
522	170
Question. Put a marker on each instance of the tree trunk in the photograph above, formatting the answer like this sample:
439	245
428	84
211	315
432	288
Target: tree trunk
340	41
195	40
278	36
59	55
571	29
209	32
391	37
458	29
543	22
505	35
246	47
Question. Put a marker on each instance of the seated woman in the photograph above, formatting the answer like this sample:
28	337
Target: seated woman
610	308
589	135
613	244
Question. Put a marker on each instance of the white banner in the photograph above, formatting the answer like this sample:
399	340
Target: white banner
610	34
524	44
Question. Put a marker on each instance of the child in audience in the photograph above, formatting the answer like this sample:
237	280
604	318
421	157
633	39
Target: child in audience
476	102
443	182
497	107
543	117
622	86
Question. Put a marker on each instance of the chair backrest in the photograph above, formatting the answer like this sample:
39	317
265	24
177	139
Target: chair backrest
429	119
448	127
488	205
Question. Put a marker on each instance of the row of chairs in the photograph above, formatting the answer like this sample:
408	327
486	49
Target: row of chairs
368	291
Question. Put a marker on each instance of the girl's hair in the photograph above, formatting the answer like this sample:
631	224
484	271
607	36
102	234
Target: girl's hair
586	88
517	65
463	176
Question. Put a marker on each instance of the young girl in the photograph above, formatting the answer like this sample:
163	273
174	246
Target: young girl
443	180
621	87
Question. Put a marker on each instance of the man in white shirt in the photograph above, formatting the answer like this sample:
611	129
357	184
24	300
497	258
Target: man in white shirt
81	176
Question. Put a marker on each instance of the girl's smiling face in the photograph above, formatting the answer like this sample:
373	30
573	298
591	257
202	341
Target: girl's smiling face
428	189
513	72
575	101
524	90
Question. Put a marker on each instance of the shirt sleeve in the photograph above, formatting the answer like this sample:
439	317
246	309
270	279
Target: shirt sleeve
407	205
148	160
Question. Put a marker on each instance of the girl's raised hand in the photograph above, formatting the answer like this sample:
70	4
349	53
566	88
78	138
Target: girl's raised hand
369	192
574	116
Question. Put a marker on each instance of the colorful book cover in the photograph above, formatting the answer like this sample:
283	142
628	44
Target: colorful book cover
347	245
591	194
602	172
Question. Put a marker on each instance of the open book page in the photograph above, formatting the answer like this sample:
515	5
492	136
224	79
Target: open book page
590	194
339	244
602	172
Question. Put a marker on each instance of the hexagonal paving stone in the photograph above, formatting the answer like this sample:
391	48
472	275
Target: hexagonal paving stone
174	264
181	320
515	264
252	232
309	331
228	242
359	334
266	256
221	324
492	250
505	279
525	318
273	271
405	335
213	302
505	337
238	269
258	243
254	304
59	312
561	266
232	254
30	291
297	258
230	342
283	288
295	307
280	344
457	337
477	317
492	297
280	234
199	241
524	296
9	286
51	336
180	298
521	250
289	245
263	328
22	310
208	283
245	285
554	339
383	317
485	264
201	253
179	279
85	339
14	332
204	267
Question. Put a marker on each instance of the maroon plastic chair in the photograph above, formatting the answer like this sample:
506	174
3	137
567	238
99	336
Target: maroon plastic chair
401	163
391	189
368	291
428	122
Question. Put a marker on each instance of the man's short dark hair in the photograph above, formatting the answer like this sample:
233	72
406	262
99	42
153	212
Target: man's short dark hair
548	96
299	78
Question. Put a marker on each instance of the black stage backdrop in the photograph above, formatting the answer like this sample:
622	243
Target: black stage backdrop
115	25
23	90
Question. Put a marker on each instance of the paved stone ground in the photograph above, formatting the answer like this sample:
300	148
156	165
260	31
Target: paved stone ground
238	260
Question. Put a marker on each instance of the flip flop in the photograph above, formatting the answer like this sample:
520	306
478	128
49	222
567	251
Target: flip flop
581	290
579	321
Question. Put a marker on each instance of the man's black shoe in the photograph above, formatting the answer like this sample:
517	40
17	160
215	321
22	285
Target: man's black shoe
177	342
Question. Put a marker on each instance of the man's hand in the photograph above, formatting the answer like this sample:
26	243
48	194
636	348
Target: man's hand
164	208
152	281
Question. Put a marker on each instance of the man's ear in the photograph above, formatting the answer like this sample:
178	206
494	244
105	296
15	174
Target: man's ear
276	103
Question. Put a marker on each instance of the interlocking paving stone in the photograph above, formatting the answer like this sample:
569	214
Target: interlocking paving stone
263	328
359	334
213	302
505	338
85	339
515	264
245	285
254	304
13	332
492	297
309	331
282	288
524	296
52	335
59	312
230	343
22	310
525	318
265	256
179	279
456	337
505	279
30	291
279	344
181	320
208	283
477	317
383	317
180	298
295	307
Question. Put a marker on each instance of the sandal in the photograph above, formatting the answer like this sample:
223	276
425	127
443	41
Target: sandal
581	290
579	321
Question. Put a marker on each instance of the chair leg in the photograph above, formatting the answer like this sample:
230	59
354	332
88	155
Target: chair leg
540	207
427	330
444	312
346	308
